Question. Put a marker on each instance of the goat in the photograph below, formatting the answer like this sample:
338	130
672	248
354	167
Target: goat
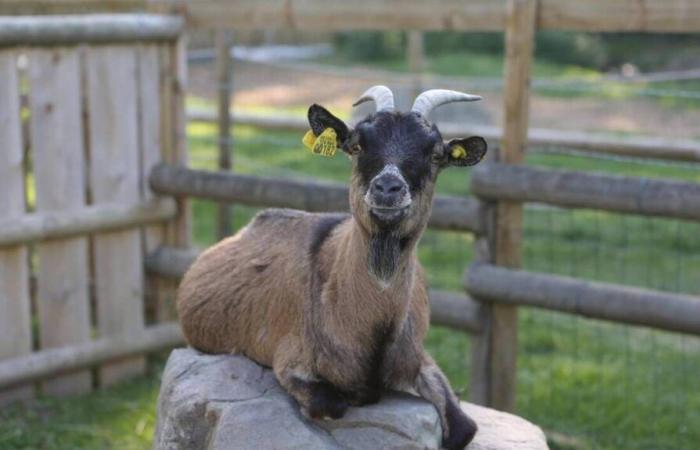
337	304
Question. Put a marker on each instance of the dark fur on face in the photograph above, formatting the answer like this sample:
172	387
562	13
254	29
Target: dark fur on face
405	140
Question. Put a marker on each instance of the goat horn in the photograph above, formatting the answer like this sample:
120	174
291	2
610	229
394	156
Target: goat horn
381	95
429	100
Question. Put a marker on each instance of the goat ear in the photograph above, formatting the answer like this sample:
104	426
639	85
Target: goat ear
320	119
464	152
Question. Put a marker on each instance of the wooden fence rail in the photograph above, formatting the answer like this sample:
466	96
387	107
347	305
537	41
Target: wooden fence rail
450	309
90	219
38	365
476	15
621	304
679	16
449	213
571	189
93	29
682	150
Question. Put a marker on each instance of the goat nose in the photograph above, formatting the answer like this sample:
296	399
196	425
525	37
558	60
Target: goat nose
388	189
388	185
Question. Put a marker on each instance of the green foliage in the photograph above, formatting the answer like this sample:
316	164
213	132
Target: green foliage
586	50
440	42
579	49
370	45
599	51
651	52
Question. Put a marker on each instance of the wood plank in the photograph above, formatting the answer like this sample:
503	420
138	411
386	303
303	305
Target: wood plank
457	311
448	212
149	66
45	363
174	151
501	363
183	224
570	189
95	28
33	7
480	344
612	302
476	15
114	151
164	307
88	220
59	168
682	16
415	55
15	320
171	262
224	43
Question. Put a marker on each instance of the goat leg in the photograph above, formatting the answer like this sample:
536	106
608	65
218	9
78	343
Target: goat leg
458	429
317	398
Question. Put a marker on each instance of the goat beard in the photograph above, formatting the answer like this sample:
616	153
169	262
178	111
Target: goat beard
384	252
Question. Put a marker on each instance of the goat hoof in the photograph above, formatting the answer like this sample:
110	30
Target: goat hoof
365	398
330	410
326	402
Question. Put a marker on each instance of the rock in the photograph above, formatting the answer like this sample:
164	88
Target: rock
219	402
503	431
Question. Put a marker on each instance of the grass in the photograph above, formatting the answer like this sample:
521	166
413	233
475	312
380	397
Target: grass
600	385
121	417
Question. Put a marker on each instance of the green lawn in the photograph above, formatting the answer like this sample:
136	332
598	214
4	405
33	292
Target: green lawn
599	385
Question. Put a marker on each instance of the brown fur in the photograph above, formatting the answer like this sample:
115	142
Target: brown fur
250	294
292	291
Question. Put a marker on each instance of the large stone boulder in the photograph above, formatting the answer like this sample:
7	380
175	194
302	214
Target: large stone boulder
222	402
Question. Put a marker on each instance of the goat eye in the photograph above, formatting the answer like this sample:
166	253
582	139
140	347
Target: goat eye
355	149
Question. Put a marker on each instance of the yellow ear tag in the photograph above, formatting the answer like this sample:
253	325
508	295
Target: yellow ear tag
309	140
324	144
458	152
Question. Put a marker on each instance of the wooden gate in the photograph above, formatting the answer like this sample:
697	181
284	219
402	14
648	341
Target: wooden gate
87	106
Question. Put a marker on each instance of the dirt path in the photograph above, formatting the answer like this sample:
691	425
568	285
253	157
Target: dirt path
258	85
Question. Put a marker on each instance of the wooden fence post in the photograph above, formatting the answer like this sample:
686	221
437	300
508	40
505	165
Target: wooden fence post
15	316
173	60
150	141
494	353
183	223
224	40
416	60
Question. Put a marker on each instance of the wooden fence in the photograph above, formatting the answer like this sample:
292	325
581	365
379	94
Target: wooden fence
495	283
88	106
